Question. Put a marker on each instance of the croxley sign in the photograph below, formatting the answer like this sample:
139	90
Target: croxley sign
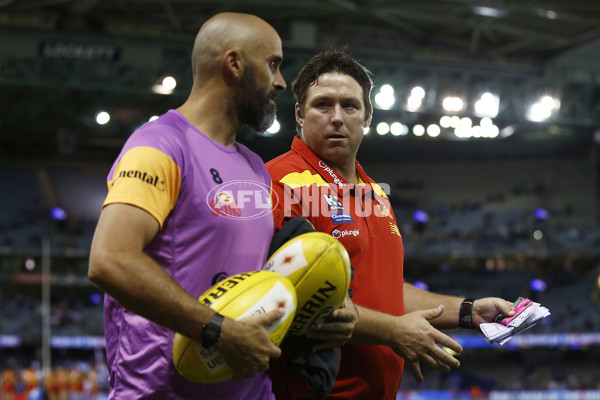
79	51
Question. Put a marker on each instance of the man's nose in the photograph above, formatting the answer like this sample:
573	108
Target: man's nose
336	118
279	82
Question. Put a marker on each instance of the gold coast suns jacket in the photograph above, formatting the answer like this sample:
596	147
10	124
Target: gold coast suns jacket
360	216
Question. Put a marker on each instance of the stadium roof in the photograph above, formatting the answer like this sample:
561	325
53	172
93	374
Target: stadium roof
61	61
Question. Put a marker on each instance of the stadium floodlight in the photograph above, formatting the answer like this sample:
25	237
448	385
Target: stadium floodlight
489	11
383	128
542	109
487	105
445	121
464	128
274	128
102	118
538	112
463	132
385	98
169	82
491	131
550	102
166	85
454	121
466	122
413	104
453	104
486	122
508	131
415	100
433	130
417	92
398	129
418	130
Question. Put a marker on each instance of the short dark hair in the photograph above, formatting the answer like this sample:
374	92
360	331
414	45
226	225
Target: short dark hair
333	60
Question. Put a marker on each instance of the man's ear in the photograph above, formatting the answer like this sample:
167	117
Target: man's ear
233	66
367	122
299	117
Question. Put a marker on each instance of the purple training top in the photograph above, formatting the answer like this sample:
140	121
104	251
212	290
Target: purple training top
213	205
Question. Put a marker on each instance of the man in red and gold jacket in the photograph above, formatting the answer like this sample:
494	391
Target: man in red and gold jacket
321	180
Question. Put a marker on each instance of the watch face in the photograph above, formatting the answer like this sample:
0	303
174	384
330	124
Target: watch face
465	317
212	331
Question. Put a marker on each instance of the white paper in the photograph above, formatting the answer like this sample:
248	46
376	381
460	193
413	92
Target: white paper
496	332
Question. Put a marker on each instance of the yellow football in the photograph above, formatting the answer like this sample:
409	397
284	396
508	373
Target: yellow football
319	267
236	297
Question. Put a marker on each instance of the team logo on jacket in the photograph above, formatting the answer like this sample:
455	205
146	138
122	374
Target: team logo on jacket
336	209
383	210
394	229
240	199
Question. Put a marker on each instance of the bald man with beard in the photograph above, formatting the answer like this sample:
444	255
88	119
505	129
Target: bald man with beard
161	241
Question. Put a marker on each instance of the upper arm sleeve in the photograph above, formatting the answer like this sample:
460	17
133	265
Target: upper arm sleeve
147	178
287	203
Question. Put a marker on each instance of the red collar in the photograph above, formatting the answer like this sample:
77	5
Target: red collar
327	173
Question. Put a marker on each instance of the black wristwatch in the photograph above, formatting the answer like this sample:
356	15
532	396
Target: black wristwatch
211	332
465	314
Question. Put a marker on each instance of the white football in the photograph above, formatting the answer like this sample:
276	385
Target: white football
236	297
318	266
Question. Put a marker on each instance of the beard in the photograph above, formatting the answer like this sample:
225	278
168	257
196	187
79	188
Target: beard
252	104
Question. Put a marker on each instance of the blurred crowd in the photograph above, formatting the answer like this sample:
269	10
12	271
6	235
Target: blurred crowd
528	370
21	315
79	382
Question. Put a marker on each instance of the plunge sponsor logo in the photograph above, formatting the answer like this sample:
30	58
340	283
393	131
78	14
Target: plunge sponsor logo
240	200
338	234
328	170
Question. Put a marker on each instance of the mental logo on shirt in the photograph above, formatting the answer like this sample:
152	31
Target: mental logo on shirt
240	199
150	179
